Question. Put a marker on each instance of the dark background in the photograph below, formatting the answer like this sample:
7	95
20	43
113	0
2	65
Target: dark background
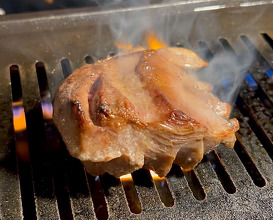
19	6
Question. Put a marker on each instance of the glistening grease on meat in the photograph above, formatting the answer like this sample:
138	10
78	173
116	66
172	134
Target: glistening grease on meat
141	109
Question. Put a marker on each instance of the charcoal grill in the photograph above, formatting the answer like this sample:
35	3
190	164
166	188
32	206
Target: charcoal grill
38	178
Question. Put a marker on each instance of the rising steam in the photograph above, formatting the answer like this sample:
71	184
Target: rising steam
225	71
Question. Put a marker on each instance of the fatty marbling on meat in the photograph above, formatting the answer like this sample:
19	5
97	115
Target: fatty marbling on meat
141	109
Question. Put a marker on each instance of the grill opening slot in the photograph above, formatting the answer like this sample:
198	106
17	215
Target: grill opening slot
111	54
195	185
60	183
52	138
221	172
89	59
48	164
62	195
142	177
78	188
42	78
108	181
175	171
66	67
76	178
22	151
204	51
15	83
227	46
44	165
261	60
53	154
131	194
97	196
163	190
249	165
268	39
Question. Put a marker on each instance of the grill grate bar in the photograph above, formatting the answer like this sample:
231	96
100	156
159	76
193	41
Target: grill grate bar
10	199
98	198
114	192
249	165
210	182
256	109
195	185
61	189
244	155
234	167
63	183
221	172
44	194
254	173
261	48
81	201
22	150
253	146
163	191
148	195
260	116
131	195
179	187
259	73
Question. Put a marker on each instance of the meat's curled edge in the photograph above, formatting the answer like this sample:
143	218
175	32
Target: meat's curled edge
142	109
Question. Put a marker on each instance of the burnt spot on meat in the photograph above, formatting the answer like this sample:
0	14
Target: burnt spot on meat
76	112
95	107
103	110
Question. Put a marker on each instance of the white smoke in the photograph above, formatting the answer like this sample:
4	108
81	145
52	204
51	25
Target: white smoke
225	72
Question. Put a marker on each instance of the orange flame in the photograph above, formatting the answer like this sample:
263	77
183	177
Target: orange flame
19	119
128	177
153	41
150	40
49	1
156	177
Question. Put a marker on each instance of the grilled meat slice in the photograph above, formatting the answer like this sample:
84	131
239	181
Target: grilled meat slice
141	109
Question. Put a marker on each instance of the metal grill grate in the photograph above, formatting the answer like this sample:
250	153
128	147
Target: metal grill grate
38	178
